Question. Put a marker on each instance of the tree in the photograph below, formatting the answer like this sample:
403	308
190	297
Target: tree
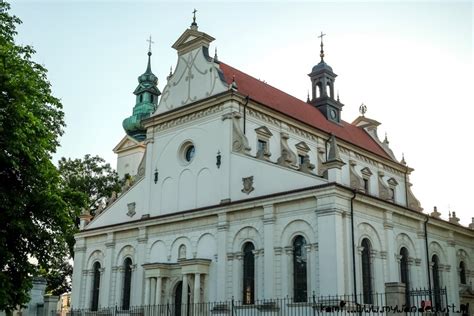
92	177
33	208
86	184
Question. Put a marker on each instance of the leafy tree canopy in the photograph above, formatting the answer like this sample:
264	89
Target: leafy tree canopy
34	207
86	183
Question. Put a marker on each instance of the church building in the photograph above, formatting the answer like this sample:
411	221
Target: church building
238	190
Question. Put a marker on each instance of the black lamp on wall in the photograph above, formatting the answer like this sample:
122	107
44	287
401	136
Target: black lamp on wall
218	159
156	175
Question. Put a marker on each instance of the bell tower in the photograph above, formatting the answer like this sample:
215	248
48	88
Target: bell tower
323	96
147	94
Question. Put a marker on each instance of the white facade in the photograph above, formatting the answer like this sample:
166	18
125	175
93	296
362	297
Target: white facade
186	222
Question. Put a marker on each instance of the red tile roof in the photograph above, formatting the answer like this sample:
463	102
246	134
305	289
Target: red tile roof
299	110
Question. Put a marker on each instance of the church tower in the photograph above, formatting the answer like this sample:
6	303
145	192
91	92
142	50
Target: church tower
147	93
323	96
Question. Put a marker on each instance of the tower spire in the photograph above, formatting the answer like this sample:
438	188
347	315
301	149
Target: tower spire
321	53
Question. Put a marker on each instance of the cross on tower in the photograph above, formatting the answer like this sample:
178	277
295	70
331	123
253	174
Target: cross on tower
321	54
149	43
194	17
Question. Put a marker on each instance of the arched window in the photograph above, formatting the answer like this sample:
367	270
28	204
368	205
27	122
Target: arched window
141	97
95	287
405	272
462	272
366	272
151	98
249	274
127	283
436	283
300	284
329	90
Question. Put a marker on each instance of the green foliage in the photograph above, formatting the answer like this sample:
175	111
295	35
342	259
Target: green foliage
85	184
91	177
33	207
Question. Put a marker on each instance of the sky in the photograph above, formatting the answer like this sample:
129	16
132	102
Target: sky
409	62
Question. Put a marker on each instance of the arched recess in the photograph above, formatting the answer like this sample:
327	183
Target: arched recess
205	188
403	240
367	271
169	195
295	228
206	246
436	249
126	252
175	248
186	190
366	230
247	233
300	266
158	252
95	256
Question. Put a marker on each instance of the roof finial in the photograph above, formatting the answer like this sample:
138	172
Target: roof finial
362	109
403	160
307	99
385	141
338	96
148	68
215	55
149	45
194	24
171	73
321	54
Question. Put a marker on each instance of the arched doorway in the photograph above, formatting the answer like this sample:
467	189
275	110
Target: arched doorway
178	299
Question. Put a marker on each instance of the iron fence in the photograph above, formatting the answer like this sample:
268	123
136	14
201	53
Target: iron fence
331	305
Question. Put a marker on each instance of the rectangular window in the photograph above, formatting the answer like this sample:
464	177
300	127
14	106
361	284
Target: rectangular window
261	145
301	159
366	185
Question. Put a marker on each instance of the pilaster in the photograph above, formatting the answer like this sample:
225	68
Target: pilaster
268	273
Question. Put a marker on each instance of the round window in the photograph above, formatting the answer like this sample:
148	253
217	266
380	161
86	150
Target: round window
189	153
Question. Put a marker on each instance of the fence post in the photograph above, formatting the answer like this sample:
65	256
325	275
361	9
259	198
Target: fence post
50	305
394	297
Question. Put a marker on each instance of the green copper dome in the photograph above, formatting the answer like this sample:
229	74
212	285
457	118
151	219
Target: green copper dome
147	94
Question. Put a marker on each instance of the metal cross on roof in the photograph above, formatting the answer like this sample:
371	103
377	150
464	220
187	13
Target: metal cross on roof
322	50
149	44
194	16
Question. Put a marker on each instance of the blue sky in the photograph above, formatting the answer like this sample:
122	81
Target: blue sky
409	62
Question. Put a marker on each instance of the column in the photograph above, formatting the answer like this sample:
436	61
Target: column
77	280
152	291
138	274
268	272
309	264
237	275
288	280
452	272
278	271
184	296
330	258
107	298
392	268
197	288
158	291
147	291
222	228
119	286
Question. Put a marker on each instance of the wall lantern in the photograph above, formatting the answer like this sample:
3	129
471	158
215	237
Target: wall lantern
156	175
218	159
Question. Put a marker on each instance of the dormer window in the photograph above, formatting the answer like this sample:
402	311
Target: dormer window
303	158
366	174
392	185
263	143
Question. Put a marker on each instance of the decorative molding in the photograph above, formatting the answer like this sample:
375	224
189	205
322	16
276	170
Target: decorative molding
239	140
131	209
248	185
356	181
384	190
287	156
188	118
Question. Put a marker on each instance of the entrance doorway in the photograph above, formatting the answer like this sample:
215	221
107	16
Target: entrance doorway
178	304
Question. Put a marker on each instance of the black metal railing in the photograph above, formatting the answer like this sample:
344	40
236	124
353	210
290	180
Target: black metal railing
366	304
